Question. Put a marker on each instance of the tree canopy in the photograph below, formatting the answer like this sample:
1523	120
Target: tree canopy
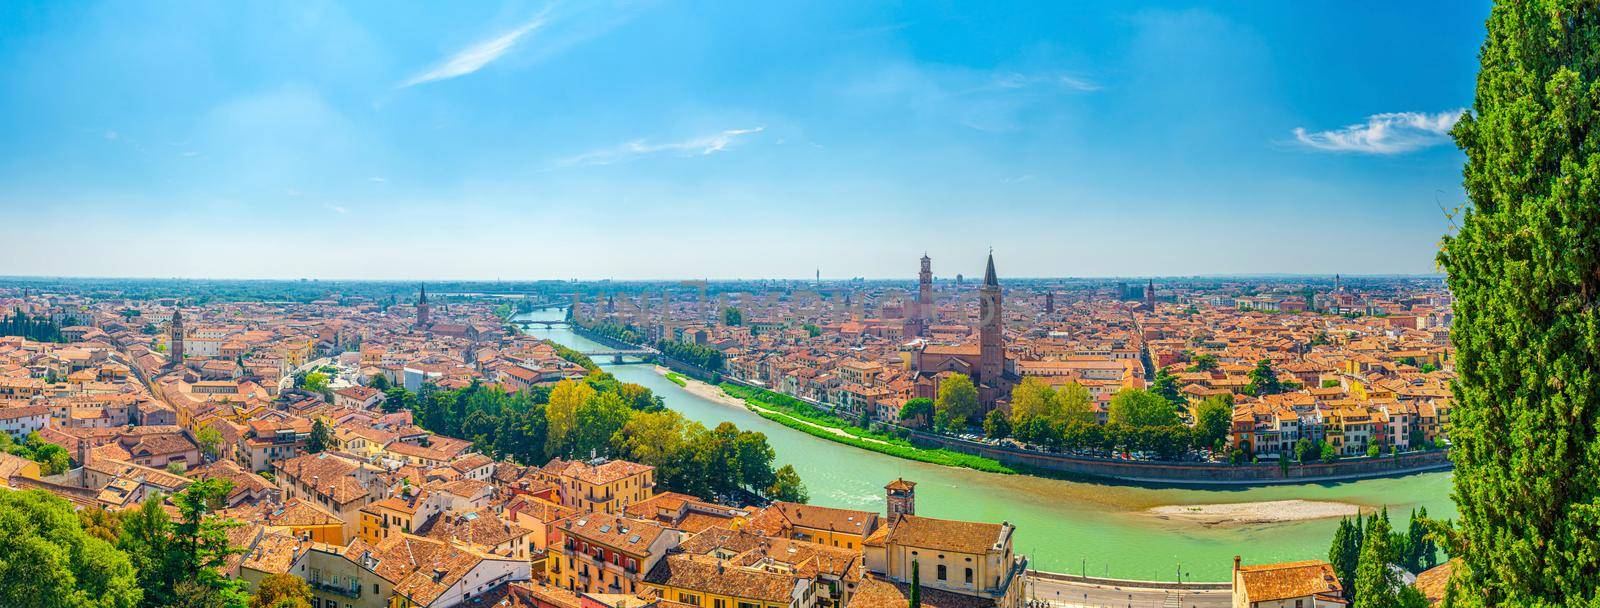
1137	407
47	560
1522	269
957	404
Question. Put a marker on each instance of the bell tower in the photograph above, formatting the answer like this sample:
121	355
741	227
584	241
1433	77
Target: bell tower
175	339
902	498
422	308
991	338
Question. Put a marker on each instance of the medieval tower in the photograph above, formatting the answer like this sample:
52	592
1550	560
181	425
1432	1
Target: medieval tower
991	337
902	498
175	339
422	308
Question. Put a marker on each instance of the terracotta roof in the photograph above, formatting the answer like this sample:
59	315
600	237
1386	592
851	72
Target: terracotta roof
948	534
714	577
1269	582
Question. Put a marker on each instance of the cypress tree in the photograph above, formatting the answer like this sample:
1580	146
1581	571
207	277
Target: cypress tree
1343	555
916	586
1376	586
1523	270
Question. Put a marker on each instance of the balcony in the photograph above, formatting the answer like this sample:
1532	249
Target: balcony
352	592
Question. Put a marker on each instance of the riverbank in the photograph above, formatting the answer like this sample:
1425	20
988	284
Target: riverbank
771	406
1265	512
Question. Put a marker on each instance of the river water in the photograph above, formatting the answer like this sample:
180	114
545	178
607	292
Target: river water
1065	526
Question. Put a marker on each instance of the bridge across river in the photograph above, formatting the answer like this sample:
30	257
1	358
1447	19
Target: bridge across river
616	354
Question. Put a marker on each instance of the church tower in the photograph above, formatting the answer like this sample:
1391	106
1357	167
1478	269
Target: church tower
422	308
991	337
1150	296
925	293
1049	302
902	499
175	339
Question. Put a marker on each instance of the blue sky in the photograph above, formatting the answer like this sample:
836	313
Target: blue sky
525	140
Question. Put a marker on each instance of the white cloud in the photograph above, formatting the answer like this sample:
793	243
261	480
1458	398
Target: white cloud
338	209
1017	80
476	56
1389	133
377	179
704	145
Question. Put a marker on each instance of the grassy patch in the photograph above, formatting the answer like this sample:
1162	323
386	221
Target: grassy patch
795	414
677	378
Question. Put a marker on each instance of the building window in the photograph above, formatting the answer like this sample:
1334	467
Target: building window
969	578
941	572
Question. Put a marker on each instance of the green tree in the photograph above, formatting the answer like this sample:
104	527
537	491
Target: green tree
915	601
1263	380
1329	454
47	560
100	523
732	317
1137	408
315	382
1166	386
1305	450
1526	424
1376	584
210	440
562	413
594	423
281	591
179	561
957	405
786	486
996	425
321	438
755	460
1344	554
1204	363
1212	421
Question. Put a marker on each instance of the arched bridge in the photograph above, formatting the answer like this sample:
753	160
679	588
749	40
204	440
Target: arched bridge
616	354
544	324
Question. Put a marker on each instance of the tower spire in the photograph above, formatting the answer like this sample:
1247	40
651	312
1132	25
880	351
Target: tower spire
989	279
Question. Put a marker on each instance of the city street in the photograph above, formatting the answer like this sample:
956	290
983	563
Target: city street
1067	594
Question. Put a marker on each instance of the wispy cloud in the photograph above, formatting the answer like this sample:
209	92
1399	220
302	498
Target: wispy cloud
1389	133
704	145
1018	80
338	209
377	179
476	56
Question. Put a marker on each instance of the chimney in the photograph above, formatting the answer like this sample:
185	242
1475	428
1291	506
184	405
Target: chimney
1235	563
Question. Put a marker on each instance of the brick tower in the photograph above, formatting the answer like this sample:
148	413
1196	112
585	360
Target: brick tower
422	308
902	498
991	338
175	339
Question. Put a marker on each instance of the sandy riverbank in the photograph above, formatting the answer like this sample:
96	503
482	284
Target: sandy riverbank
716	394
1268	512
704	390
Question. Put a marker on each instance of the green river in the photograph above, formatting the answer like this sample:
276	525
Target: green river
1065	526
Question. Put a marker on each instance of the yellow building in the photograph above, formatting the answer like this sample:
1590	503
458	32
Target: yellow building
601	486
601	553
842	528
302	519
